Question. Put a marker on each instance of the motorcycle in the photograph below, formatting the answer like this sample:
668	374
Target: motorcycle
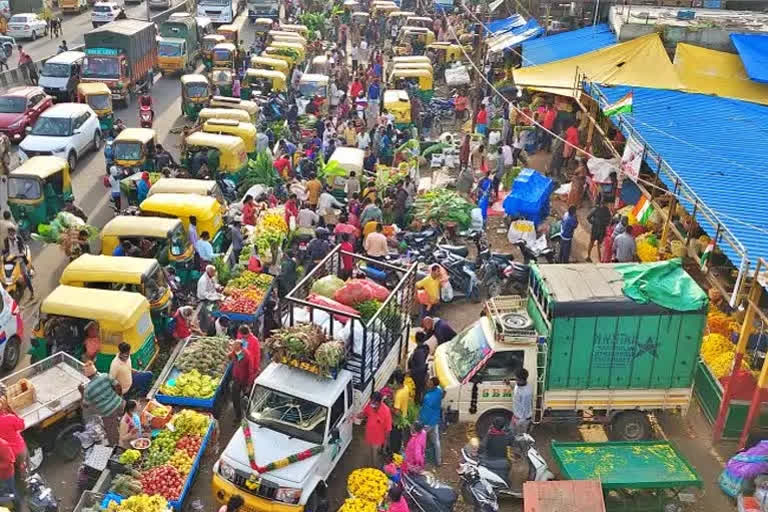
13	277
146	116
496	471
38	496
426	493
461	272
476	491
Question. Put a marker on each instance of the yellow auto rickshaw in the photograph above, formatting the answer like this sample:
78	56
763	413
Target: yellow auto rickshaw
222	79
250	107
233	32
412	65
413	40
399	17
320	66
446	52
195	92
246	131
289	56
360	18
296	47
262	25
263	81
164	239
300	29
134	149
399	104
311	85
378	7
209	43
188	186
127	274
98	96
37	191
420	77
224	113
224	56
110	317
206	210
351	6
418	21
213	154
259	62
284	35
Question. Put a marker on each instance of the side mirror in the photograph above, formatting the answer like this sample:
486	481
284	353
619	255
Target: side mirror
76	131
335	436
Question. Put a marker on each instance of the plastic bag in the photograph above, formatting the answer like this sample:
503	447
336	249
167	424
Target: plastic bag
332	304
356	291
327	286
446	292
422	297
476	224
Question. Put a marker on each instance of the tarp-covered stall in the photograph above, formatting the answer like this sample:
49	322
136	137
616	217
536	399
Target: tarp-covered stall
529	196
515	37
567	44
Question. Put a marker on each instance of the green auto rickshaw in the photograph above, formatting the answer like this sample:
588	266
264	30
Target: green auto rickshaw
98	96
222	79
195	92
37	191
134	149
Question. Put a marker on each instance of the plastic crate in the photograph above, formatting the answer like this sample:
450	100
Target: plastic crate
154	421
207	404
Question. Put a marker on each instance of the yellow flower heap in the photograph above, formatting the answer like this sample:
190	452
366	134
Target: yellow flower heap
716	348
368	484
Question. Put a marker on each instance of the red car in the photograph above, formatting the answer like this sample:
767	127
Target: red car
20	107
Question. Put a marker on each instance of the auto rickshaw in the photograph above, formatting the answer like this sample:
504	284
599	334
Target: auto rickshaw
288	56
173	55
446	52
259	62
188	186
378	7
206	210
297	47
245	131
300	29
311	85
195	92
360	18
418	21
320	66
399	17
422	78
134	149
262	25
413	40
68	312
98	96
398	103
234	31
284	35
262	81
224	113
221	154
37	191
127	274
161	238
224	56
412	65
209	43
250	107
222	79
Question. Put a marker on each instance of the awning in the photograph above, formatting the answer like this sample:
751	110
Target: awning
717	73
753	50
641	62
567	44
497	27
515	37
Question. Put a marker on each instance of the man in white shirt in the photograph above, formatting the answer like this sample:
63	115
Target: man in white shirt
522	403
363	140
204	248
207	286
121	369
296	77
353	55
307	218
518	143
375	243
334	94
326	203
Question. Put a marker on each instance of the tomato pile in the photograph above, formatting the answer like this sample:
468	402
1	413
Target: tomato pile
164	481
245	301
190	444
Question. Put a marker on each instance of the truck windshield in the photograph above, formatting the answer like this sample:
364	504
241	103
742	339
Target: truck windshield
169	50
101	67
288	414
23	188
467	350
55	70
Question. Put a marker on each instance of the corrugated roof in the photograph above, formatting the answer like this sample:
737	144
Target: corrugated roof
717	147
497	27
753	50
515	37
567	44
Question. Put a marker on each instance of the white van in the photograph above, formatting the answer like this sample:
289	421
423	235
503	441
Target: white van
11	331
61	74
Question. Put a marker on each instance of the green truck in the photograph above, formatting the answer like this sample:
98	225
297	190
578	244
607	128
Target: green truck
178	46
602	343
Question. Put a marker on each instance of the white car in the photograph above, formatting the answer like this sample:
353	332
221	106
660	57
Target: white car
105	12
26	26
66	130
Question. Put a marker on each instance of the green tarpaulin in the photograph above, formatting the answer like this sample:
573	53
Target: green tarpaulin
664	283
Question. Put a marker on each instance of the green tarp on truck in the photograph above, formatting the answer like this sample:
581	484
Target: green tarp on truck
135	38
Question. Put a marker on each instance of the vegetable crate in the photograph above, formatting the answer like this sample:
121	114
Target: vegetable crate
207	404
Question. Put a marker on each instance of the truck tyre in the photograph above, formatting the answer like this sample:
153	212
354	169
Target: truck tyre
631	426
12	353
486	420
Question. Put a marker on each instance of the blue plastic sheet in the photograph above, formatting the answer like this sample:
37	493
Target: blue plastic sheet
497	27
529	197
753	50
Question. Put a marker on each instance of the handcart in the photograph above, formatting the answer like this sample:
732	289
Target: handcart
636	476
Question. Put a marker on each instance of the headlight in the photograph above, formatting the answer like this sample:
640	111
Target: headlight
227	471
59	150
288	495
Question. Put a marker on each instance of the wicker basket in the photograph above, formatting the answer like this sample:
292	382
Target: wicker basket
21	394
153	421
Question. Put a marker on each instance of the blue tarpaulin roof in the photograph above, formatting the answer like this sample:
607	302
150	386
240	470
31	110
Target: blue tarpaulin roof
567	44
516	36
717	147
497	27
753	50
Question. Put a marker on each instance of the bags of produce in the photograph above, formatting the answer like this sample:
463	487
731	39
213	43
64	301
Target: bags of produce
327	286
356	291
330	303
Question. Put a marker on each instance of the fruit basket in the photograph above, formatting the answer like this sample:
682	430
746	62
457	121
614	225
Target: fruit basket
150	414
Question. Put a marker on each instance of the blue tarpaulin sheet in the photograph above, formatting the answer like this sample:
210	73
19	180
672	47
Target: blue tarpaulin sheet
516	36
753	50
497	27
529	197
567	44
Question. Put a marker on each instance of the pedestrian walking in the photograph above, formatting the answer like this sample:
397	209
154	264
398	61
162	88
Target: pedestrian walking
567	229
241	377
430	416
417	365
522	403
599	218
377	427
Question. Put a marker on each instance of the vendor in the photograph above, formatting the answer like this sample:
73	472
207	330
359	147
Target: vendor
184	323
208	287
717	300
92	342
130	425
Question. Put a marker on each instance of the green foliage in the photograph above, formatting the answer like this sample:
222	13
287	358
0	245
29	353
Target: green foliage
442	206
260	172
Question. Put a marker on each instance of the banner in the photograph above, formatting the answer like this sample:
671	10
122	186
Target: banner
632	158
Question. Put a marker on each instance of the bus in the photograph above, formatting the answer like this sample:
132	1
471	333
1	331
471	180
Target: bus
219	11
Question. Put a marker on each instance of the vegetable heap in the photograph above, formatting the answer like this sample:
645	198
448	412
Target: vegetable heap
209	355
192	384
270	231
307	347
140	503
441	205
718	353
64	230
260	172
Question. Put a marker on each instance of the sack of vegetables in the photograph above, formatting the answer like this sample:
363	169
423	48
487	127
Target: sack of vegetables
307	347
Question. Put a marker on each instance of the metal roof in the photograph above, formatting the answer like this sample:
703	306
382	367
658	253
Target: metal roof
753	50
567	44
717	147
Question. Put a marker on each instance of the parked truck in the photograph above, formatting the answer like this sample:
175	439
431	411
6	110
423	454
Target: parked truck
300	423
123	55
178	49
592	351
73	6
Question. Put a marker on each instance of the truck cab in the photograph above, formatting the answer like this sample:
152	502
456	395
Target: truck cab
263	9
290	411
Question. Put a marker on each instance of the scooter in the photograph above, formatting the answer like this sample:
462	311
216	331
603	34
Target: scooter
146	116
476	491
38	496
426	493
13	277
495	471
